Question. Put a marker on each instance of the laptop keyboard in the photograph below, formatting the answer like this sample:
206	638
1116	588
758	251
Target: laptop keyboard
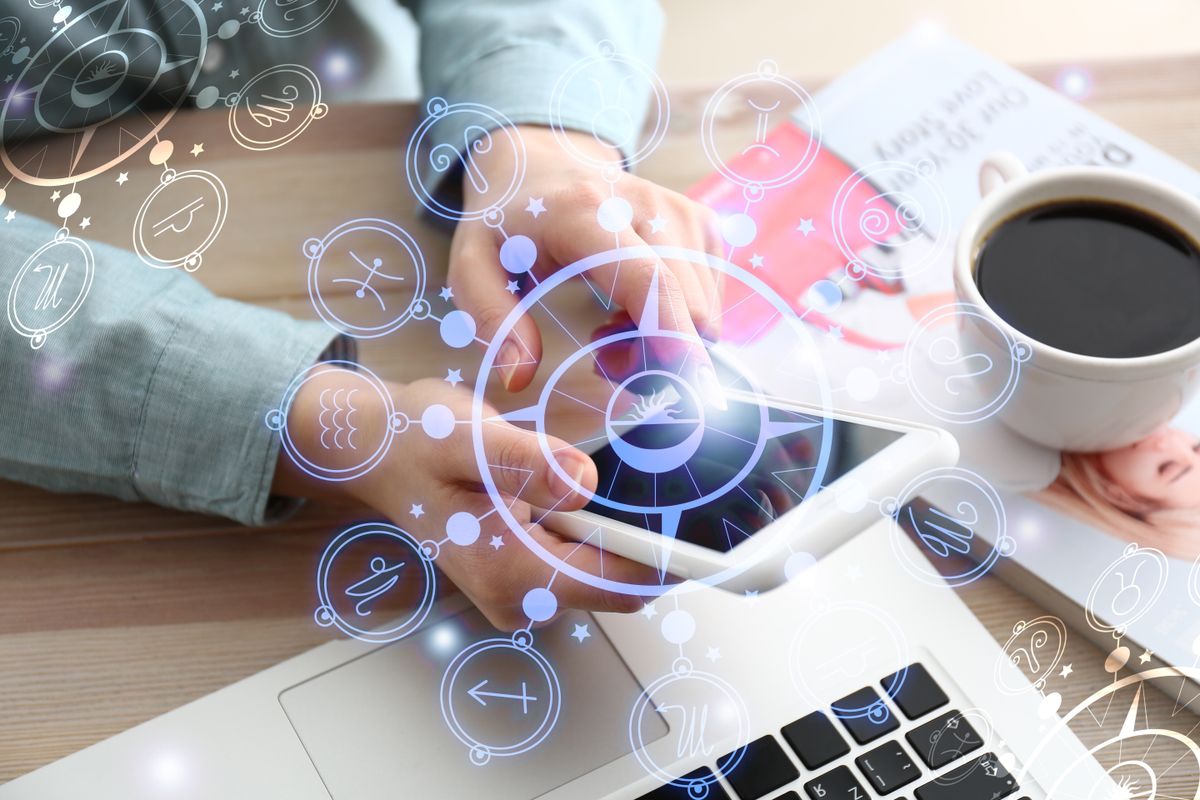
907	749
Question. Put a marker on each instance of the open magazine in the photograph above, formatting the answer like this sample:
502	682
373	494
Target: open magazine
1110	542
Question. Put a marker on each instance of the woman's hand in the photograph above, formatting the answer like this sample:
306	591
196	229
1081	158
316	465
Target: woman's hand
442	476
572	193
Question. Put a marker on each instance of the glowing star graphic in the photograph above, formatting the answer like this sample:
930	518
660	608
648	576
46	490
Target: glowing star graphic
197	149
10	216
417	510
806	227
649	611
1066	671
55	196
454	377
85	223
713	654
496	542
512	287
536	207
581	633
122	178
756	261
446	293
657	224
1145	657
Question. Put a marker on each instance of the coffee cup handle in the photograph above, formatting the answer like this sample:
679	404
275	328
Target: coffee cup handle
999	169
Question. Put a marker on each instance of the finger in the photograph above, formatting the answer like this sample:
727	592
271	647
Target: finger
481	287
518	465
572	593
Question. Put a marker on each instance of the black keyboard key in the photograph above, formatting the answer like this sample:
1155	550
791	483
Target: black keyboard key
701	778
944	739
865	715
983	778
788	796
887	767
915	691
815	740
837	784
764	767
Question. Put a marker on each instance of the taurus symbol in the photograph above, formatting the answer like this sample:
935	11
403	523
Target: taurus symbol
955	356
476	141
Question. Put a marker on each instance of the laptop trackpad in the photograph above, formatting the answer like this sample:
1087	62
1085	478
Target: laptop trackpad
374	727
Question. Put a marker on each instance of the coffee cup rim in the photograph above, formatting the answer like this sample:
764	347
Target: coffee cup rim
1005	201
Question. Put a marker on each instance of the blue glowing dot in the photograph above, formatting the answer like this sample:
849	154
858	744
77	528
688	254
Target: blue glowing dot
539	604
738	230
797	564
208	97
517	254
823	296
438	421
463	528
614	214
458	329
678	627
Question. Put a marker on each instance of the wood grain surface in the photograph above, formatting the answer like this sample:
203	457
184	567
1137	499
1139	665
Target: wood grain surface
113	613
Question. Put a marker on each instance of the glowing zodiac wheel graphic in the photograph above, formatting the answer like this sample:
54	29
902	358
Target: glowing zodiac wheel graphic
391	552
85	78
693	702
658	425
180	219
471	693
50	287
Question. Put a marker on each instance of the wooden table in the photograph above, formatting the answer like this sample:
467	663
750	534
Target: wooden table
113	613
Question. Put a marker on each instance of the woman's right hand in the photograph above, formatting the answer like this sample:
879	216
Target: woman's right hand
442	477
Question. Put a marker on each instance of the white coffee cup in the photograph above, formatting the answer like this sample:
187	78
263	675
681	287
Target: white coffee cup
1066	400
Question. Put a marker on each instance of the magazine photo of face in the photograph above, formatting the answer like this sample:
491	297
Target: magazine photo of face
1147	492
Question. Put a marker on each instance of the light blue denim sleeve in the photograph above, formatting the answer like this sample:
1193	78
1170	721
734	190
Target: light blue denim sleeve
154	389
510	55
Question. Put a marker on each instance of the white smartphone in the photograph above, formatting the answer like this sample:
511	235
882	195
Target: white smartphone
742	538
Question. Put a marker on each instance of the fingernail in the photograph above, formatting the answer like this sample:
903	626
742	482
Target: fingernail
508	360
574	466
710	388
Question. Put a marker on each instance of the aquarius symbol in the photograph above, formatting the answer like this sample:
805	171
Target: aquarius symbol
170	223
691	732
293	7
332	425
370	594
364	286
955	533
48	297
477	140
1117	603
477	693
267	115
761	127
954	357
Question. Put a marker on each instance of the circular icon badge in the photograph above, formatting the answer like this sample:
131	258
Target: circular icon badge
611	123
342	451
768	98
366	278
965	732
180	219
888	208
676	443
1036	647
952	383
449	138
501	698
701	710
948	531
10	32
87	77
1127	590
275	107
284	19
835	672
50	287
367	567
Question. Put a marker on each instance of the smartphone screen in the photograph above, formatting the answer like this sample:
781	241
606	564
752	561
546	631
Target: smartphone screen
778	481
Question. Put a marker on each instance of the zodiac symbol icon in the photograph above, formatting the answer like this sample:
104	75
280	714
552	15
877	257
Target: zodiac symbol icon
692	730
948	533
48	297
95	85
364	286
369	593
658	407
267	114
1029	654
478	694
762	127
476	141
1129	595
332	425
293	7
954	357
1125	591
1035	648
169	223
613	110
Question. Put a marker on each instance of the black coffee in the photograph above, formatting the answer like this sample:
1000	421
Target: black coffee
1093	278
